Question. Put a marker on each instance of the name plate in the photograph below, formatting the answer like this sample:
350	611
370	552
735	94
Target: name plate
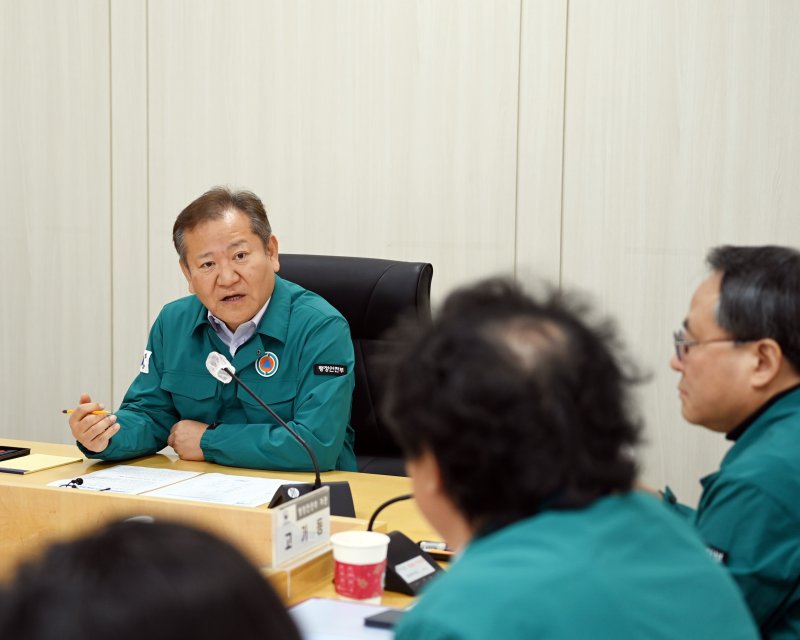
300	525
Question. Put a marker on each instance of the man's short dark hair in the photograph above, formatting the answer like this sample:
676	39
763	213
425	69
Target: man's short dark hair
523	405
212	205
760	295
132	580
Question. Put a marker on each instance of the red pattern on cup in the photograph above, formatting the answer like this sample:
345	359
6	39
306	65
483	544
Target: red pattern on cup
359	581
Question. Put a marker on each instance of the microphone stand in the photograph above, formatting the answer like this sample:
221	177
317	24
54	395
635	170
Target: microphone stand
340	495
408	567
280	421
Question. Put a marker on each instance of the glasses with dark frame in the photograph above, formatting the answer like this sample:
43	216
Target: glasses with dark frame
682	345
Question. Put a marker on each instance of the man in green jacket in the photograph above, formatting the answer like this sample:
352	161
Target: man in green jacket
738	354
514	417
288	344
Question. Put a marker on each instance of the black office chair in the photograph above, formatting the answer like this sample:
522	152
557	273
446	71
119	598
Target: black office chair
371	294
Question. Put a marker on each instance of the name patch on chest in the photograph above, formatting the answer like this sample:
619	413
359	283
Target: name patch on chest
330	369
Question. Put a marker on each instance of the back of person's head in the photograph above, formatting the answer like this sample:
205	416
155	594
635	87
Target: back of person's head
142	581
213	205
521	403
760	295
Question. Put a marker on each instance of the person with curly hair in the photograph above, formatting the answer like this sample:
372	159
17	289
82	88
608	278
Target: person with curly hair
516	423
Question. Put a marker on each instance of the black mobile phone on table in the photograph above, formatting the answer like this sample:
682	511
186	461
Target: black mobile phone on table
385	619
6	453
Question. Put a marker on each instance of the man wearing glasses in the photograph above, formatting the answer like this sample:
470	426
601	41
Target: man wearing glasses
738	354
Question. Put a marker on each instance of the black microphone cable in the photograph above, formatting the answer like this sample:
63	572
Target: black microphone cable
282	422
382	506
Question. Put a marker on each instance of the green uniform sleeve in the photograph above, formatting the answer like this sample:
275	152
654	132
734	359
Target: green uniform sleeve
321	414
146	414
758	541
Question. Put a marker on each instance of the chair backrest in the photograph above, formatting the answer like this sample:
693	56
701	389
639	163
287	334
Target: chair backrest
371	294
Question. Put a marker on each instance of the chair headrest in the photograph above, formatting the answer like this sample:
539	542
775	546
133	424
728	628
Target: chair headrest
369	292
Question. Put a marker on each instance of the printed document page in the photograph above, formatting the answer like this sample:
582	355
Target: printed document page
126	479
221	488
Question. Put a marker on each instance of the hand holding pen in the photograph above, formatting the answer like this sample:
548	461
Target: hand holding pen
91	424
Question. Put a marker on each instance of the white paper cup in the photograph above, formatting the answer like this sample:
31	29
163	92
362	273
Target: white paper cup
359	559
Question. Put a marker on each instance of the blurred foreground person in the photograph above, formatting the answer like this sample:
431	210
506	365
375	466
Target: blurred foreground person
143	581
514	418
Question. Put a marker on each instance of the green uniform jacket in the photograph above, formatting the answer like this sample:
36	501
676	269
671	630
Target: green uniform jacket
302	331
621	568
749	515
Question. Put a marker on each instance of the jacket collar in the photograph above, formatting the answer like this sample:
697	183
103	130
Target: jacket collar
737	433
747	434
275	322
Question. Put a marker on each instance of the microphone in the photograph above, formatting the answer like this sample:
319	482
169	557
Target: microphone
408	566
341	498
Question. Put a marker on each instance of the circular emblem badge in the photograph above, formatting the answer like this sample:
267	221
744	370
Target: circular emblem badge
267	364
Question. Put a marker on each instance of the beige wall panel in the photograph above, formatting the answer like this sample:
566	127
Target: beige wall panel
374	128
681	133
54	140
541	126
129	182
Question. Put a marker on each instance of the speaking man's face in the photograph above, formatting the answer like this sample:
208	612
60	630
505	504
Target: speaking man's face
229	269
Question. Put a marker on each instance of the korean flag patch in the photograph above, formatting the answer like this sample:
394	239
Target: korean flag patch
144	367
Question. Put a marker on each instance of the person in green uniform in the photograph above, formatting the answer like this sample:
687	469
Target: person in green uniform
286	343
738	354
514	417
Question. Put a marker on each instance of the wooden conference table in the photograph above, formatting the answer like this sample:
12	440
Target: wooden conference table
33	515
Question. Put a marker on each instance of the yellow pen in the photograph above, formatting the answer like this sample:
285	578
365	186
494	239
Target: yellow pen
94	413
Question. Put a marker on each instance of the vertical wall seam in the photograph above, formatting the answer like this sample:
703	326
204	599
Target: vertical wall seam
112	264
563	150
515	262
147	154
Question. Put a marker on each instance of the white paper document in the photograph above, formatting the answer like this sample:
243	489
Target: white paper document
221	488
126	479
327	619
217	488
